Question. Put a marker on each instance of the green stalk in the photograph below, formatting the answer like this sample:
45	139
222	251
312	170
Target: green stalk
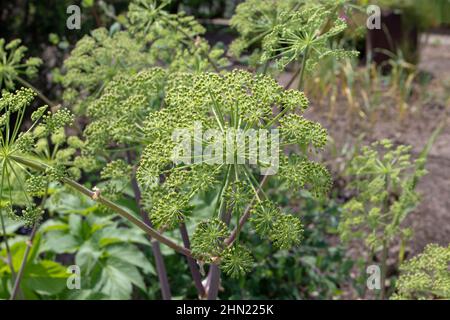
303	67
156	249
232	238
23	264
5	236
220	202
384	256
213	280
111	205
266	66
385	248
295	75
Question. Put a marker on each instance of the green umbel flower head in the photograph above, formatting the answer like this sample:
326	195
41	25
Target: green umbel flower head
426	276
202	111
21	184
13	66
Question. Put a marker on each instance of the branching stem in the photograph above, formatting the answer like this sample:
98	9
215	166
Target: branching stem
159	260
111	205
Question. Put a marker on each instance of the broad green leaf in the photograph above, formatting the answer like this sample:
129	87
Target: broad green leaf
111	235
46	277
117	279
35	247
87	256
76	225
85	295
11	226
53	225
59	242
71	203
132	255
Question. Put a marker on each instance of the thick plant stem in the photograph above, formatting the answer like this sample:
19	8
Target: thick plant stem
193	267
7	247
266	67
125	214
300	73
384	256
8	252
161	270
214	272
159	260
111	205
213	279
16	287
368	262
23	264
213	282
294	76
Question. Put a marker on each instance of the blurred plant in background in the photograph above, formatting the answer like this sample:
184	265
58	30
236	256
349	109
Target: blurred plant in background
384	179
425	276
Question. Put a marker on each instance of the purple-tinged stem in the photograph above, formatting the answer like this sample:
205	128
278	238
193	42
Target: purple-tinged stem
193	267
156	249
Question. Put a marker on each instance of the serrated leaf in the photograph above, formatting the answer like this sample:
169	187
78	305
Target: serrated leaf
46	277
131	254
60	242
111	235
87	256
117	279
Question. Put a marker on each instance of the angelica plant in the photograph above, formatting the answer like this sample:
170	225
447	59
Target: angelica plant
225	104
384	178
30	162
290	31
113	139
14	68
425	276
43	155
19	186
174	39
151	37
254	20
30	144
116	117
105	71
135	90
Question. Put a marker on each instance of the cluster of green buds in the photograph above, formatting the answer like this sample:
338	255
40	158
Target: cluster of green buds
174	39
20	183
425	276
224	104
